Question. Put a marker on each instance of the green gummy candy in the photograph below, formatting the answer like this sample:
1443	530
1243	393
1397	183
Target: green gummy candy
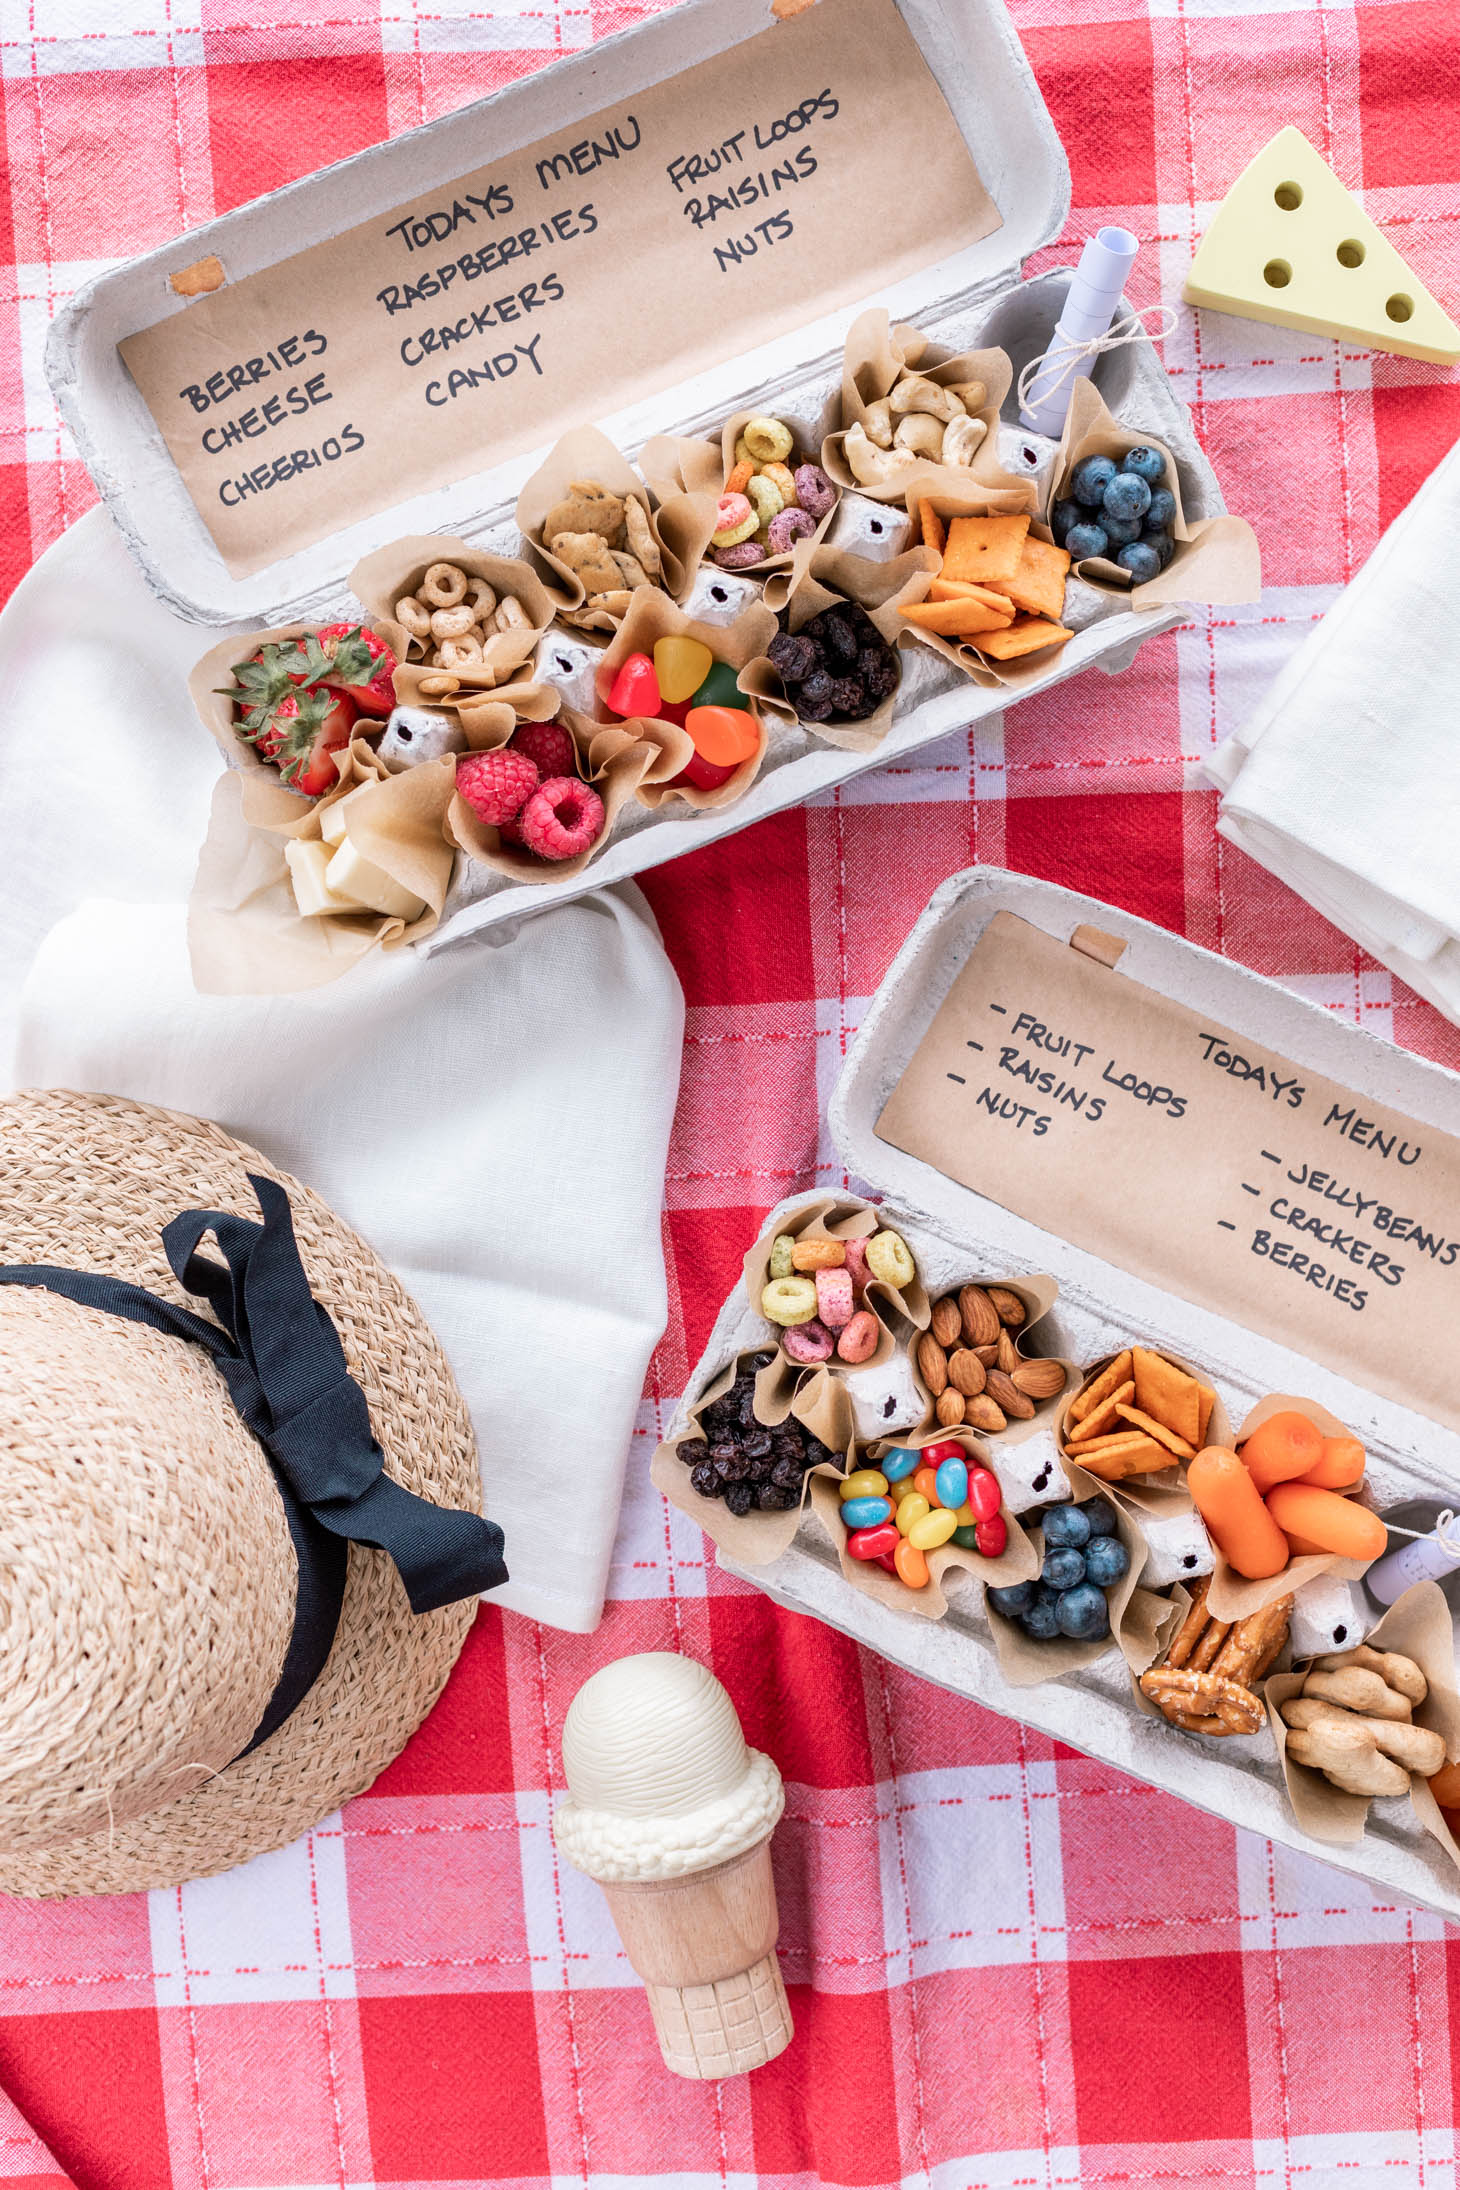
719	689
966	1539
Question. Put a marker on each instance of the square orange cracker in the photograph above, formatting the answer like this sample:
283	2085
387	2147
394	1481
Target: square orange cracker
1026	635
1206	1400
1104	1384
956	619
982	548
932	527
1173	1444
1125	1456
1103	1417
1038	585
1167	1394
958	589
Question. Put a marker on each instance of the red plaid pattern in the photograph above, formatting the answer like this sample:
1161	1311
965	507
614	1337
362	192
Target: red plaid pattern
1009	1965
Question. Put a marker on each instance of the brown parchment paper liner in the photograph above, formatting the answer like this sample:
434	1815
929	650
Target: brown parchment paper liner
837	1217
616	758
820	577
1230	1597
1163	1491
876	356
1217	558
1039	1293
821	1406
1141	1623
681	523
1419	1625
675	462
652	616
383	578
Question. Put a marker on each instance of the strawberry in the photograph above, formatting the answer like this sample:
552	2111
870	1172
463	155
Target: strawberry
360	665
302	732
296	700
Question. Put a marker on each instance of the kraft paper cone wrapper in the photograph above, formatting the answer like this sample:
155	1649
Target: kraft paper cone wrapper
1039	1293
958	495
1162	1491
380	581
614	758
681	524
1418	1625
1231	1596
653	616
1141	1623
1217	561
674	462
837	1217
819	578
877	355
818	1403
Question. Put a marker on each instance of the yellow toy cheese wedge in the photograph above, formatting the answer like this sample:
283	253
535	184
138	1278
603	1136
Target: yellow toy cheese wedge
1290	245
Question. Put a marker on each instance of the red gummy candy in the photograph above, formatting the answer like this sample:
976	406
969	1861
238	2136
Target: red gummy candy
675	713
983	1494
946	1448
993	1536
889	1560
704	775
635	690
872	1543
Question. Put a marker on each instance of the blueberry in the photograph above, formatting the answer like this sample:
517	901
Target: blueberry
1061	517
1100	1514
1090	478
1147	464
1041	1621
1141	560
1064	1567
1082	1614
1106	1561
1162	542
1083	540
1014	1598
1162	511
1066	1525
1120	531
1127	495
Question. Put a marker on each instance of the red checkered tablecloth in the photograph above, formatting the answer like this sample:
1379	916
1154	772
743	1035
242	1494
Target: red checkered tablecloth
1009	1966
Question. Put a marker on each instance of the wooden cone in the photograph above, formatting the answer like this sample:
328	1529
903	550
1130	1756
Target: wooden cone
705	1947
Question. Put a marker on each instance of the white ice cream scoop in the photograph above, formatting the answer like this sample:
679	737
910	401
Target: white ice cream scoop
671	1812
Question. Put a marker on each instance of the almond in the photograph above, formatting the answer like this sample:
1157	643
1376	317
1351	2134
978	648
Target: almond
1008	1359
988	1355
947	1322
1039	1379
983	1414
950	1409
932	1364
1007	1306
966	1373
1006	1394
980	1316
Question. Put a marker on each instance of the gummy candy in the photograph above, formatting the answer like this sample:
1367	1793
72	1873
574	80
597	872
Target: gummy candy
681	666
635	689
724	735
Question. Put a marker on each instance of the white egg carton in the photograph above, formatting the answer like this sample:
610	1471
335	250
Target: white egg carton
972	298
1100	1309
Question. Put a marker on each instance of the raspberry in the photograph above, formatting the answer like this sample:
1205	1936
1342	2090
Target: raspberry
561	819
496	786
548	746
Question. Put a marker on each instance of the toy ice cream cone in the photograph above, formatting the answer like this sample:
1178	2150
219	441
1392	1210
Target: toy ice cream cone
672	1814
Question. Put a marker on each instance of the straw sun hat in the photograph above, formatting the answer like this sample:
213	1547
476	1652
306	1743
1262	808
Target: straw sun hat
171	1582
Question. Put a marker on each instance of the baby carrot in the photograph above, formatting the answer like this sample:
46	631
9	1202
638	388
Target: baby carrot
1283	1446
1322	1517
1340	1464
1231	1505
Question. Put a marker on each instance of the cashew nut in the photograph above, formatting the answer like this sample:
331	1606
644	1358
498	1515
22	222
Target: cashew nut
443	585
972	394
871	466
878	423
411	617
923	435
452	623
918	394
961	437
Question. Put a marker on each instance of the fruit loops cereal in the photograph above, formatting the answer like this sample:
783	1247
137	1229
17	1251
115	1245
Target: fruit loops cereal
740	1460
816	1288
769	502
971	1366
914	1500
1083	1557
530	791
451	615
606	541
683	683
837	665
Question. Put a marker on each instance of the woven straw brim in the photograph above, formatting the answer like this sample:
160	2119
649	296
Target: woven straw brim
87	1182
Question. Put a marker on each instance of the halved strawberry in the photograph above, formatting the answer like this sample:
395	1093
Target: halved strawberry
361	665
301	733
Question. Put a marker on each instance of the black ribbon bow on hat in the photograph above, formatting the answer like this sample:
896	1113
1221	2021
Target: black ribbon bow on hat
280	1355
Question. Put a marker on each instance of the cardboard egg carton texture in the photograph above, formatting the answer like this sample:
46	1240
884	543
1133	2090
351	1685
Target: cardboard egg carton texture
1100	1309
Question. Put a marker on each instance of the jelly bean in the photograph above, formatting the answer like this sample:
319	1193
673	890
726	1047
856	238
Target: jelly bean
966	1517
889	1560
735	521
900	1462
944	1448
966	1536
912	1567
681	665
984	1494
906	1488
926	1481
910	1509
704	774
952	1483
858	1341
871	1543
864	1483
635	689
720	688
724	735
866	1512
933	1529
993	1536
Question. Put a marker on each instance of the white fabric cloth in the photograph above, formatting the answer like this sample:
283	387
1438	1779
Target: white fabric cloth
1346	783
493	1120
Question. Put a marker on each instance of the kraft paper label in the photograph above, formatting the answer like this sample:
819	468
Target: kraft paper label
1152	1136
808	166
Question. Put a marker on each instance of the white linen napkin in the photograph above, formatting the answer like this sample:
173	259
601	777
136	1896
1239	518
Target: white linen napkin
493	1120
1346	783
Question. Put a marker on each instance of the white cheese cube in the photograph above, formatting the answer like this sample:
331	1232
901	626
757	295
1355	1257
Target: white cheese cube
348	875
308	863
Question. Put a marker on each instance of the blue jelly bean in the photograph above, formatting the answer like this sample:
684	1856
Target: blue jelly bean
1065	1525
1083	540
1100	1514
1090	478
951	1483
1082	1613
1127	496
1064	1567
1162	511
1106	1560
1140	560
1147	464
899	1462
865	1512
